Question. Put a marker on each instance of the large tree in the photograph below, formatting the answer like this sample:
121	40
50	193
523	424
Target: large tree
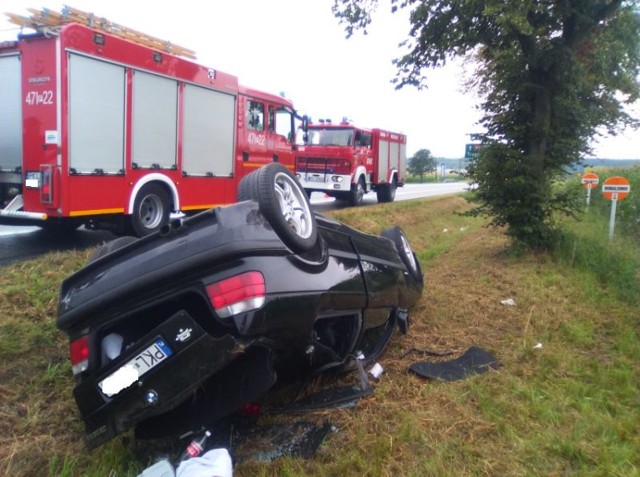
553	76
421	163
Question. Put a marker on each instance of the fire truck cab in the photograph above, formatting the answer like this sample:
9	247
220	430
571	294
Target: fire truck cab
346	162
102	130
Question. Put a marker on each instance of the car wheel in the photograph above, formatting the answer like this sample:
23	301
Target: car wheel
357	193
111	246
387	192
150	210
399	239
284	203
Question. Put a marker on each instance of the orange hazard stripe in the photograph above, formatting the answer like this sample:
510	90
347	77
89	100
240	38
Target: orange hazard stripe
201	207
80	213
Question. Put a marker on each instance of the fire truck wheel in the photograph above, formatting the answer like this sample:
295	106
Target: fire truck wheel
284	203
150	210
111	246
357	193
387	192
399	239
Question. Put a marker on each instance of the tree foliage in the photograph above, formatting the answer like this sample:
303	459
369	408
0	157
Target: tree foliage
553	75
421	163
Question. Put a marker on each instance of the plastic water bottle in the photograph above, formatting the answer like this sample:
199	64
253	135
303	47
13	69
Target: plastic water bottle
195	447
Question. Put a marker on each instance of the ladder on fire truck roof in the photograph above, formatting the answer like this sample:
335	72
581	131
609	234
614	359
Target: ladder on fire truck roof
48	21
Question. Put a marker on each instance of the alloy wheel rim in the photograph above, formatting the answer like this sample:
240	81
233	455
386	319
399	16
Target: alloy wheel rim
295	209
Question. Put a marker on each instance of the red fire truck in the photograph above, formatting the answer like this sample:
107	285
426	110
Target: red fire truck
100	126
346	162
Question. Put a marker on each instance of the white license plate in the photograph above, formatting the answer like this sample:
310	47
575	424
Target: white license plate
32	180
315	178
136	367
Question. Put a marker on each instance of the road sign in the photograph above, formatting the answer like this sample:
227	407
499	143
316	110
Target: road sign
590	180
471	150
616	188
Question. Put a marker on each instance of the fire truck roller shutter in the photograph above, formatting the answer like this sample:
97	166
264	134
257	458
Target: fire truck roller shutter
383	162
11	113
96	121
209	136
155	121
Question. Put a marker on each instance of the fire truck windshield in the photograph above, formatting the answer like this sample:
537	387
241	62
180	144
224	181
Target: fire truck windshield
319	136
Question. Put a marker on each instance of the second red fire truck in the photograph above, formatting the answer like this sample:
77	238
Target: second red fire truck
99	126
346	162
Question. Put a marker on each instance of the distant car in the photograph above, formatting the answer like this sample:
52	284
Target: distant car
185	326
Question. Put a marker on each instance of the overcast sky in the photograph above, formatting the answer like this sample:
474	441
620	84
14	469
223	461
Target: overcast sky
297	47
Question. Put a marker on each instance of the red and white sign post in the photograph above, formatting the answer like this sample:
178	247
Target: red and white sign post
614	189
589	181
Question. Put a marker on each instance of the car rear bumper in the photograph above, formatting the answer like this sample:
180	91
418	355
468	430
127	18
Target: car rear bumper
196	356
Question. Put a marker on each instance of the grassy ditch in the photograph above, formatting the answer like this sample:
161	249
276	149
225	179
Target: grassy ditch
568	407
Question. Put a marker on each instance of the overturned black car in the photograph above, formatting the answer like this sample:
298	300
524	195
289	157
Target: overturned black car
183	327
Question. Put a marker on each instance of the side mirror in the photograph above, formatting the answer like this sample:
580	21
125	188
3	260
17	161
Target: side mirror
305	123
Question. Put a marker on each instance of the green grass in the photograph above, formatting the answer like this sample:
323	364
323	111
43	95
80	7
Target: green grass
571	407
585	243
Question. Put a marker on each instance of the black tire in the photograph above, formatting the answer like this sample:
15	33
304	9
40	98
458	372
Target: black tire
387	192
111	246
399	239
284	203
150	210
357	193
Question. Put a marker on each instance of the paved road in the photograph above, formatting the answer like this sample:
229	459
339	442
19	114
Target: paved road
21	243
409	191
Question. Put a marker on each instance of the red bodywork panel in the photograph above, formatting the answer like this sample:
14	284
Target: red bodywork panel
47	91
342	149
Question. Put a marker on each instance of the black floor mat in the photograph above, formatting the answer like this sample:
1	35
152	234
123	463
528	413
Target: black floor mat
474	361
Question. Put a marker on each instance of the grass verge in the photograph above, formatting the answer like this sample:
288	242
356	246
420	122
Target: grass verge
568	407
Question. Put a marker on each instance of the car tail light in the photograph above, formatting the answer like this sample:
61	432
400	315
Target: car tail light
252	409
237	294
79	353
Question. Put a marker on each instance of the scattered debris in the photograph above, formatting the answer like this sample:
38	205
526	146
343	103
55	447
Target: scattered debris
474	361
270	442
426	351
509	302
346	396
538	346
195	448
376	371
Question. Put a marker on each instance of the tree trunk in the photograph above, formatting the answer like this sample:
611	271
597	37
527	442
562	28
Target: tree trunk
536	148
